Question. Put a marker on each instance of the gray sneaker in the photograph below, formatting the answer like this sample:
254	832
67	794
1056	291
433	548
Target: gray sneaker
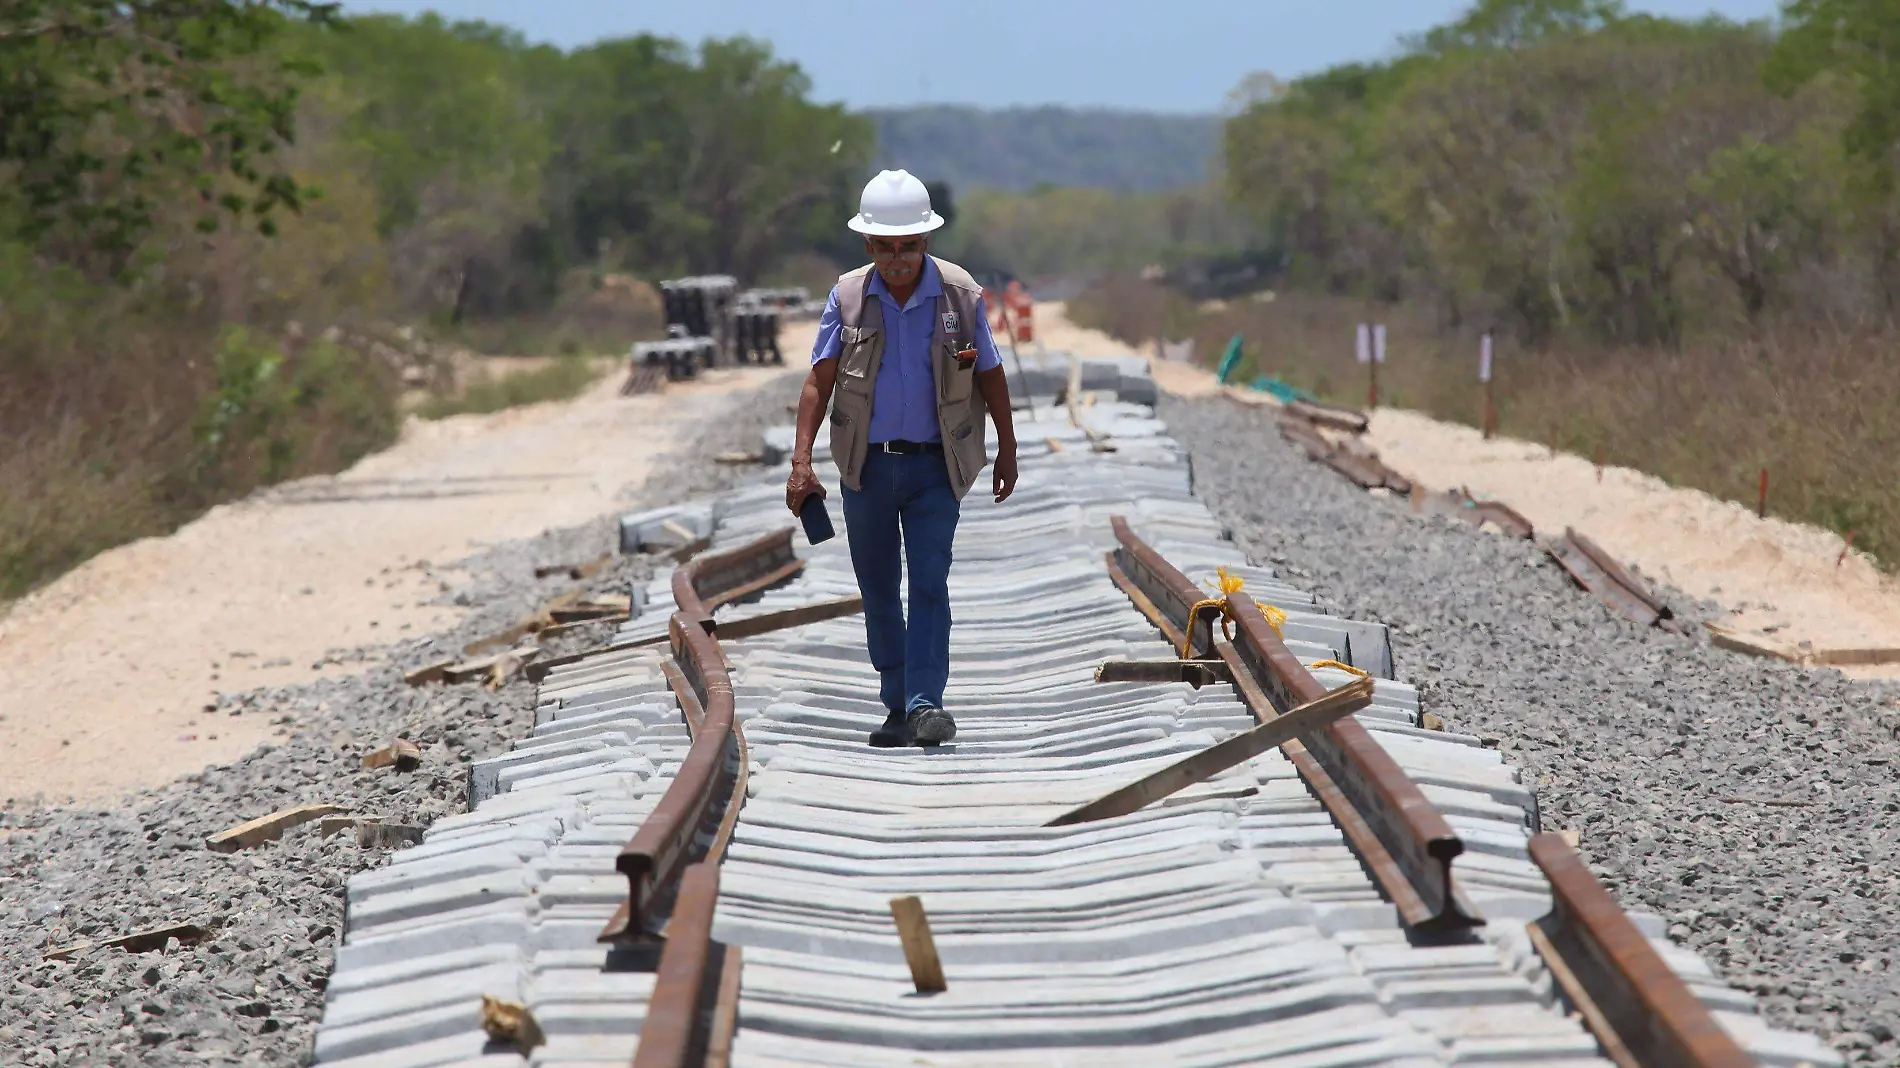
932	726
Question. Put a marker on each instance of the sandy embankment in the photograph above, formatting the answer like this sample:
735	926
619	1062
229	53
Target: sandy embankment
1778	579
105	673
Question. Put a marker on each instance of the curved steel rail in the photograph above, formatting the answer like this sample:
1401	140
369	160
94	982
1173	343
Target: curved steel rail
1640	1011
693	970
1403	840
653	859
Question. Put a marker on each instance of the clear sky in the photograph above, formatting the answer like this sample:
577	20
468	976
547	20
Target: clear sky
1177	55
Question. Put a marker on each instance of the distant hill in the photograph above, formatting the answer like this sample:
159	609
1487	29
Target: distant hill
1017	149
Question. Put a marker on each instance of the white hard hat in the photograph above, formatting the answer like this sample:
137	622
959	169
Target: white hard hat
895	204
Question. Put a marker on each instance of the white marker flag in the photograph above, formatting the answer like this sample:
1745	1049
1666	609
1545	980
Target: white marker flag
1365	343
1484	359
1378	343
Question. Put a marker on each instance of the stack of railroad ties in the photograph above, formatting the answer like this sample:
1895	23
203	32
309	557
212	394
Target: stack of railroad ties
709	324
1330	435
694	858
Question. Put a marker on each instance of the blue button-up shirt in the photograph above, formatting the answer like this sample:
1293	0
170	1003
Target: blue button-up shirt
904	404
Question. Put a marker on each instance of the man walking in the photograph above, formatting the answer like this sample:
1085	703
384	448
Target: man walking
904	346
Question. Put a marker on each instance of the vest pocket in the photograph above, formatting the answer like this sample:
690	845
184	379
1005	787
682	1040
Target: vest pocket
958	376
854	362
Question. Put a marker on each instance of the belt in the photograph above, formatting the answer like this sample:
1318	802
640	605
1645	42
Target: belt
907	448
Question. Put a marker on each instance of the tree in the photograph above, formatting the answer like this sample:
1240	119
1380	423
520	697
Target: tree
108	108
1507	24
707	162
1857	42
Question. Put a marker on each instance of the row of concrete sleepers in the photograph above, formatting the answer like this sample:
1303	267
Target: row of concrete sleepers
1229	925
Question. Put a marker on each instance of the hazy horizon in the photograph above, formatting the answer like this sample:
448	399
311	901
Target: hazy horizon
1059	52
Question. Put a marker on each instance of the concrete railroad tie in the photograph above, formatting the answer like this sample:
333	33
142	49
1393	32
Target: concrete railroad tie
1227	925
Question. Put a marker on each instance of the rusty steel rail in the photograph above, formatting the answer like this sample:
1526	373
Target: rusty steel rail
695	973
673	1034
1352	459
1350	420
707	582
1640	1011
660	849
1598	572
1403	840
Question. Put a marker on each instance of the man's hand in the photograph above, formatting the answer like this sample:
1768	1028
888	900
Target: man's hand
1003	473
995	390
802	484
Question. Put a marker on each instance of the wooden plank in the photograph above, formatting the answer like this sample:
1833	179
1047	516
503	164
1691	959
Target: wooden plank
1855	657
138	941
543	667
920	950
1196	673
783	573
1751	644
790	617
1303	720
428	673
587	610
401	754
469	670
266	828
1346	419
559	629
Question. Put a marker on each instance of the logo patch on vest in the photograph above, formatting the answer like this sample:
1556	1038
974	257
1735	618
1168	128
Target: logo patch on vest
951	322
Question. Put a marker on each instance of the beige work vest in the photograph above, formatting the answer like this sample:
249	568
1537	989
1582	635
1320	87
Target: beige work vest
960	410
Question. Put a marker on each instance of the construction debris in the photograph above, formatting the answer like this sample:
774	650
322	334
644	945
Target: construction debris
1196	673
331	825
428	673
266	828
1600	573
920	950
511	1023
470	670
1350	457
137	942
402	754
1460	504
577	572
588	610
1273	733
375	834
1797	653
502	670
1329	415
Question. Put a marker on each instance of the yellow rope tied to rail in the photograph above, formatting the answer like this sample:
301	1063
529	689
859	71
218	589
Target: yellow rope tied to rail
1336	664
1229	584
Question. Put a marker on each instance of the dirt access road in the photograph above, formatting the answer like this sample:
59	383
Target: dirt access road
105	673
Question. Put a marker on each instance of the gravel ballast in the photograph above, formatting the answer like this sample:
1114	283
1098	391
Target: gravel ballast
1751	803
252	992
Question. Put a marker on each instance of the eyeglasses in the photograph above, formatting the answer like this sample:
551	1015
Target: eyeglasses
893	249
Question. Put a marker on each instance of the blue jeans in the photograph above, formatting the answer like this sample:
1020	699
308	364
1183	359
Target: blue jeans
911	493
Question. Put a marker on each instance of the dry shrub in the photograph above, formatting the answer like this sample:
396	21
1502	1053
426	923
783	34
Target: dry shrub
1818	406
120	421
